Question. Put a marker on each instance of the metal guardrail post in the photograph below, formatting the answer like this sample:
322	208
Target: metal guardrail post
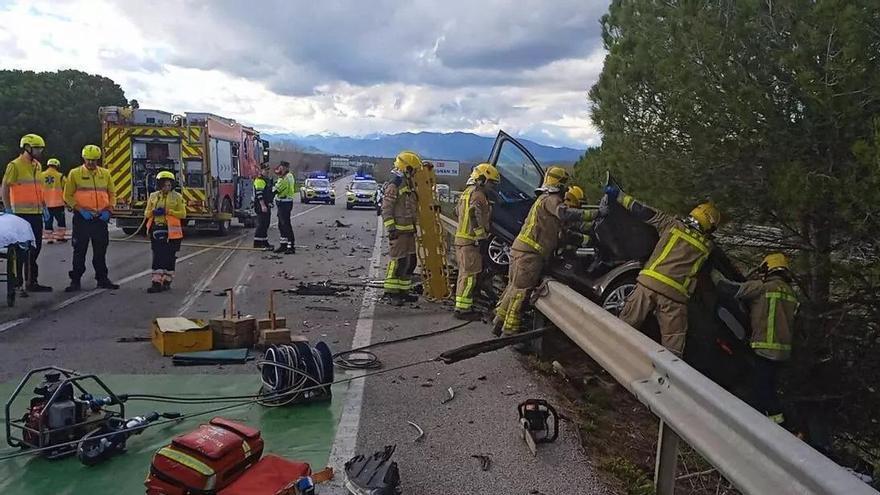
666	464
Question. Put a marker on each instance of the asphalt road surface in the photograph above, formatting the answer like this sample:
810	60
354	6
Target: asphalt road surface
80	331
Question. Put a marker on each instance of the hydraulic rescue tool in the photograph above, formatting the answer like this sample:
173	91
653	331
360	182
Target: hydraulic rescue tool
61	412
534	419
109	439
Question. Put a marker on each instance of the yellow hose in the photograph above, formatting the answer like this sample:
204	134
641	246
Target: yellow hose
197	245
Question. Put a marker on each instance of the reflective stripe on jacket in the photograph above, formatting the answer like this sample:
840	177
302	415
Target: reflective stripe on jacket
175	211
474	214
772	307
680	253
89	189
53	187
399	206
546	222
25	190
284	188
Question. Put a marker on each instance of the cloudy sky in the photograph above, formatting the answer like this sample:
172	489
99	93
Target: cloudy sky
328	66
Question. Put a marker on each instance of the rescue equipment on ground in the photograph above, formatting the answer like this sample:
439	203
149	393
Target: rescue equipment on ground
109	440
373	475
296	373
535	419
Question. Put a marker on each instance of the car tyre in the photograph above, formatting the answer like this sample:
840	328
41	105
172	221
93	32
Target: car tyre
614	297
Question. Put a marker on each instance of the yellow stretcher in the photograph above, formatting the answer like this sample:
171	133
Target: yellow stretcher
430	238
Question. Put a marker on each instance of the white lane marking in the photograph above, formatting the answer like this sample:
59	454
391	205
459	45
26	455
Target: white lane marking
199	288
347	431
85	295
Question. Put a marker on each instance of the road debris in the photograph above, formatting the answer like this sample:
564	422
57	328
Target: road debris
317	289
450	397
323	308
340	224
419	429
485	461
128	340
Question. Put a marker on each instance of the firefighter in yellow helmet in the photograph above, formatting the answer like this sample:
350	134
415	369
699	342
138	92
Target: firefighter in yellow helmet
399	210
22	194
53	195
474	219
547	223
90	193
669	278
165	212
772	306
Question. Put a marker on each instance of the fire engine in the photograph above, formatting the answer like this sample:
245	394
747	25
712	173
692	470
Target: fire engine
215	160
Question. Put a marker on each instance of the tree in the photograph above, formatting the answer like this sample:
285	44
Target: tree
772	109
60	106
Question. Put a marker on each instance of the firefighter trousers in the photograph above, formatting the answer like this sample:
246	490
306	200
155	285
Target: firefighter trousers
261	233
285	228
398	275
671	315
523	275
763	384
164	256
26	261
470	266
84	232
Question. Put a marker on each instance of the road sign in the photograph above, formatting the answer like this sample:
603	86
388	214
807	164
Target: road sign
445	167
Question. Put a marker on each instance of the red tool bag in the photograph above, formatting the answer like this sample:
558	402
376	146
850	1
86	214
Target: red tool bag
204	461
273	475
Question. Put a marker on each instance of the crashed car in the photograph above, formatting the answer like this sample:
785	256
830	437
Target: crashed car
606	272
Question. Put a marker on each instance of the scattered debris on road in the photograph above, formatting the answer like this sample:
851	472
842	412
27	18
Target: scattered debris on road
485	461
340	224
128	340
419	429
317	289
323	308
450	397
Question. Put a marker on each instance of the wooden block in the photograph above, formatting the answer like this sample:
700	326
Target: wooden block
274	337
266	323
232	333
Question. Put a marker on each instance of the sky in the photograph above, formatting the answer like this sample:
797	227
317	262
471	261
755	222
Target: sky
349	68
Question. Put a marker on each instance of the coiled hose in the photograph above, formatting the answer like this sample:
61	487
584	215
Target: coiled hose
290	373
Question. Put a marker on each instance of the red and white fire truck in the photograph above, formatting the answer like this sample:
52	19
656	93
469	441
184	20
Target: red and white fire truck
215	160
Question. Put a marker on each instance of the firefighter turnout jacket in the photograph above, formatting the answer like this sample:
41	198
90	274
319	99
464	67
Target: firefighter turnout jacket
175	211
23	177
681	251
399	206
547	223
474	216
53	187
90	190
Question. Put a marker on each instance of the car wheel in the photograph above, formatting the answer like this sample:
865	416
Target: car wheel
333	202
614	297
499	253
348	207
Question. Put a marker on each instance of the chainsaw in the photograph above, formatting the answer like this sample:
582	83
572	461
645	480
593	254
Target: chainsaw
539	423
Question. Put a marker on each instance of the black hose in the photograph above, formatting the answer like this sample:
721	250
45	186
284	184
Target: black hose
361	359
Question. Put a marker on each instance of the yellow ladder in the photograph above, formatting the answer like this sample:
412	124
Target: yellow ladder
430	238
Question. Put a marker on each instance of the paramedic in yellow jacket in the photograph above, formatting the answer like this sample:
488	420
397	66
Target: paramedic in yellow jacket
772	307
399	210
53	195
547	223
474	219
164	213
669	278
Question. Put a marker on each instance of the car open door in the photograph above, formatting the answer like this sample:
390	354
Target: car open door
520	176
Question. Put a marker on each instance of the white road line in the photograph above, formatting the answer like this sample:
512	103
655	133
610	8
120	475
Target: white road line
206	280
13	323
347	431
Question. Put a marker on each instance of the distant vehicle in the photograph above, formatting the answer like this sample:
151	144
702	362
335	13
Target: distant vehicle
363	191
442	192
317	188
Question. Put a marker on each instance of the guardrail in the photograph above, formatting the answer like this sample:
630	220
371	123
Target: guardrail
756	455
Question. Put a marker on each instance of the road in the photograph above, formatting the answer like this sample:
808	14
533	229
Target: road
81	331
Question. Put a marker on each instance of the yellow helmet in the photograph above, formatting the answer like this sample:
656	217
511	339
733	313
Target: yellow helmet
53	162
574	196
165	175
407	161
91	152
32	140
775	261
485	171
707	216
556	178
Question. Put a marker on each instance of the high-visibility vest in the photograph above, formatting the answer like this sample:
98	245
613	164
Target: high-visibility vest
53	187
89	189
284	188
25	191
175	210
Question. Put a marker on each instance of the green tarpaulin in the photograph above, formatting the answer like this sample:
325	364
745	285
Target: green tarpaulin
300	432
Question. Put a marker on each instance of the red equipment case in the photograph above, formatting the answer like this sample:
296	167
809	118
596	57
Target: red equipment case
273	475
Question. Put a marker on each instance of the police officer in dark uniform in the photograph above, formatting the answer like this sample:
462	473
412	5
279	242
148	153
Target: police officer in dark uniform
263	208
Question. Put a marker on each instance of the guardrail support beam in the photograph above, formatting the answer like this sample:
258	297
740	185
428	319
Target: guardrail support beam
666	465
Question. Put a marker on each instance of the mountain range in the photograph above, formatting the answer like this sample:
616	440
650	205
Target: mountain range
461	146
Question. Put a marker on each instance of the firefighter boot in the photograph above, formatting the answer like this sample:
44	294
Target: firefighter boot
154	288
73	287
106	283
468	315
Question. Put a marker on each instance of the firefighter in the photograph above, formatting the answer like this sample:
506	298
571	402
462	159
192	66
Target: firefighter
545	226
263	208
23	196
772	306
399	209
284	190
474	219
164	212
668	279
53	195
90	194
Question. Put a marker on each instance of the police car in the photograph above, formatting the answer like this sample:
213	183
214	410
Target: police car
362	191
317	189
